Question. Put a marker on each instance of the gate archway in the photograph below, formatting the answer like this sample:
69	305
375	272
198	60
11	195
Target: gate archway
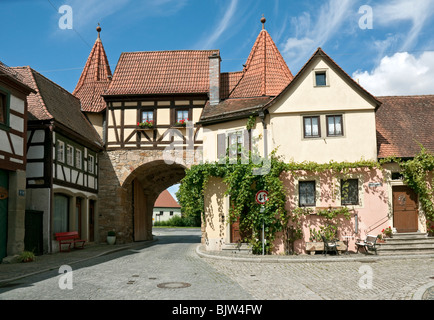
130	182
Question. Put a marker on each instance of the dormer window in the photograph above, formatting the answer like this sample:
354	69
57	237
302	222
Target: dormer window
321	78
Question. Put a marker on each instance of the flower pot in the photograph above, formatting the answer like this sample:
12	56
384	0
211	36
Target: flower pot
111	239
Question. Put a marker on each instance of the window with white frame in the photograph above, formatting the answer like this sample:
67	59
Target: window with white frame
69	155
91	164
78	159
60	151
235	144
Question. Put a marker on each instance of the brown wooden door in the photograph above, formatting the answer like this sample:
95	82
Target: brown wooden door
235	231
78	216
405	216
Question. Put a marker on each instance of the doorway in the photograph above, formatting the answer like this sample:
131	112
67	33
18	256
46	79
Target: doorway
405	209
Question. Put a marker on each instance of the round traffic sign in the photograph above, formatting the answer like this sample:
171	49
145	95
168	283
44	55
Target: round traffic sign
261	196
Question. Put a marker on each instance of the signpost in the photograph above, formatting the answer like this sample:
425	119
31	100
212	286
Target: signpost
262	197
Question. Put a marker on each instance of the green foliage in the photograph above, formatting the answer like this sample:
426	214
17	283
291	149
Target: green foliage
178	221
242	185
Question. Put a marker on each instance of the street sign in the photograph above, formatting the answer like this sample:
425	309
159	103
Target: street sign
261	196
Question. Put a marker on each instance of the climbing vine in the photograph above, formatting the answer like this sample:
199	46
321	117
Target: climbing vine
242	185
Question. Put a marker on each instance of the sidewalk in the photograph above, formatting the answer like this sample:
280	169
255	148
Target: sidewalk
13	271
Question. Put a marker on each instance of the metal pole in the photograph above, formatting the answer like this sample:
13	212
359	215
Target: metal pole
263	240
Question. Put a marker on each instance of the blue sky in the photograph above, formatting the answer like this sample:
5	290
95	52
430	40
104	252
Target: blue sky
394	55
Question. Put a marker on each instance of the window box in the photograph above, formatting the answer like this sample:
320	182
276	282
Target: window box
148	124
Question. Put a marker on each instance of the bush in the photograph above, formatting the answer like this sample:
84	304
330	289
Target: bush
177	221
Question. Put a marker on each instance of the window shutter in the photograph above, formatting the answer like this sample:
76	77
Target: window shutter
221	146
246	143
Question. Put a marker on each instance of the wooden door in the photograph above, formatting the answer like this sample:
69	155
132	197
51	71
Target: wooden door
78	216
235	231
4	186
405	213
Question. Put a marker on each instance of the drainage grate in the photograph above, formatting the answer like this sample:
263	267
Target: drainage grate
173	285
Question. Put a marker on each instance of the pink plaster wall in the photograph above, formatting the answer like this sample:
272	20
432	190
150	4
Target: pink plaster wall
372	215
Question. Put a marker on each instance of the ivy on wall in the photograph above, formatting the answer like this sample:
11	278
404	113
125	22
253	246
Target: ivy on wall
242	186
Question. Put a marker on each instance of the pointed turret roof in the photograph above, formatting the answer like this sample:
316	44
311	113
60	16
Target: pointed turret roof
265	72
95	79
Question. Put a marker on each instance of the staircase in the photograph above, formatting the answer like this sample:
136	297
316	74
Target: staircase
240	248
412	243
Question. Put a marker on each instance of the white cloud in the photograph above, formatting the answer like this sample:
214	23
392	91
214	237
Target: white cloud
400	74
312	34
395	12
221	27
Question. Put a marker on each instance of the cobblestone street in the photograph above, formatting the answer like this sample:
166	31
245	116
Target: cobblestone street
174	268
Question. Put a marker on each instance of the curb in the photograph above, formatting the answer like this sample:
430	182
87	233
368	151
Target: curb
298	259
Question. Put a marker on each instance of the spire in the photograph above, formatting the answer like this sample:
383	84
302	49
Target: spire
95	78
265	72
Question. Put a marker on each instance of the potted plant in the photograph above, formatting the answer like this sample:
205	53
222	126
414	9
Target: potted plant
181	123
387	232
111	237
148	124
380	238
26	256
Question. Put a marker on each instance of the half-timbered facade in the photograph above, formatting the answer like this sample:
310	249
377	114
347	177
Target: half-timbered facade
13	116
62	161
151	105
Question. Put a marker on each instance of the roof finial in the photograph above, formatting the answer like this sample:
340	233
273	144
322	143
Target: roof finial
263	21
98	29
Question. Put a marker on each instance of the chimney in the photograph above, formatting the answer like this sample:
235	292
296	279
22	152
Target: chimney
214	79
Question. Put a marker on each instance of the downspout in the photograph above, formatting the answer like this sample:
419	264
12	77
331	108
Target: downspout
264	126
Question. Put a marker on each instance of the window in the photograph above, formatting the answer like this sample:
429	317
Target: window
311	127
161	213
320	78
334	126
148	116
69	155
235	144
3	108
181	115
306	192
350	192
61	213
171	213
91	164
60	151
78	159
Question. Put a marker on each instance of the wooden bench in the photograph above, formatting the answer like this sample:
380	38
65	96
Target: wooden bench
369	244
69	238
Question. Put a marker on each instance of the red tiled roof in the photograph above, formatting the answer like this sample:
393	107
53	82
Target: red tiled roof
52	102
94	80
165	200
265	72
162	72
404	122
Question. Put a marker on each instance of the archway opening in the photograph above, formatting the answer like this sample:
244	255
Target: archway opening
145	184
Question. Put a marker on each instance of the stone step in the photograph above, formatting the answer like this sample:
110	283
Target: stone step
243	248
411	243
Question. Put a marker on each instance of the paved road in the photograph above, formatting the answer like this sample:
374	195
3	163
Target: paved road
171	263
170	269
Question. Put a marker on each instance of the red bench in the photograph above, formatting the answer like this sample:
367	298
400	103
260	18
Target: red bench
69	238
